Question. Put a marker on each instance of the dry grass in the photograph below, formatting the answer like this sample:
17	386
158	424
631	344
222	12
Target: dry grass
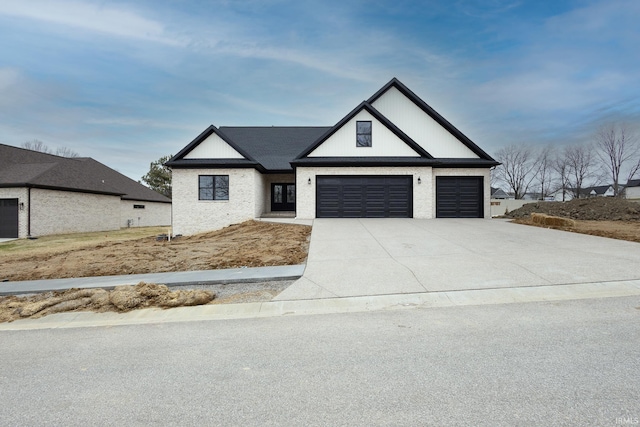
551	221
121	299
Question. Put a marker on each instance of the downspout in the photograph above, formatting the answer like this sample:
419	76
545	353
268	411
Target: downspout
28	212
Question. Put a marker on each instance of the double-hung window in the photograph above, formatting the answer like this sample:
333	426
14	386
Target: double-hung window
363	134
213	187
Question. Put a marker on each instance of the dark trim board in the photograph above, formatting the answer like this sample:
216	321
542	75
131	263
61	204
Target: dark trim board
459	197
364	196
8	218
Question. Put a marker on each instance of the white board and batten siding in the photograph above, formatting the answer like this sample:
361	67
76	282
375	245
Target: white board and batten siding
214	147
420	127
343	142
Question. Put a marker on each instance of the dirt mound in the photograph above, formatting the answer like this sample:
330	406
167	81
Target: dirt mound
120	299
592	209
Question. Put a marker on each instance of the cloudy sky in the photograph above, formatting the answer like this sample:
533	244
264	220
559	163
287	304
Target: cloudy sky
126	82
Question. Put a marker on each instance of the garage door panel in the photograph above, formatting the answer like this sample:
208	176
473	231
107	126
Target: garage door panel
459	197
365	197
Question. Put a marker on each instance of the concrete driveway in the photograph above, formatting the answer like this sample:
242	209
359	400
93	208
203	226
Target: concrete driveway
357	257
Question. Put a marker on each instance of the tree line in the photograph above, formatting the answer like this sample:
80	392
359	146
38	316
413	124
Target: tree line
611	158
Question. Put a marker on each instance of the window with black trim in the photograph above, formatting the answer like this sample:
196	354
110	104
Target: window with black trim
213	187
138	206
363	134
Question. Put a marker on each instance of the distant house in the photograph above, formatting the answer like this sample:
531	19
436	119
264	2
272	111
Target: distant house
391	156
597	191
632	189
43	194
499	193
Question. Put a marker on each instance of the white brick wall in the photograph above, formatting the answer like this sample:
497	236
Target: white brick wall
306	193
153	214
56	212
21	195
483	172
192	216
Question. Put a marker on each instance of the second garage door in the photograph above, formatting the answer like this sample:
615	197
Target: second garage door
459	197
364	197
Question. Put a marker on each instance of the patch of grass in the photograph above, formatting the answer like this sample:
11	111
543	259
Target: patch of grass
67	241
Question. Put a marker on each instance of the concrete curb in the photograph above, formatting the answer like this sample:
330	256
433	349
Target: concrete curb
333	305
230	275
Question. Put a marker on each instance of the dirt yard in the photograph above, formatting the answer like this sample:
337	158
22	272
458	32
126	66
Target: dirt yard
599	216
250	244
133	251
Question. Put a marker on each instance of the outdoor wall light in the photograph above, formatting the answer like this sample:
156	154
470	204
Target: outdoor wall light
419	180
21	206
309	181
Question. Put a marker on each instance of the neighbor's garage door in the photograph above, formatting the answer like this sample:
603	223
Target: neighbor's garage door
364	197
459	197
8	218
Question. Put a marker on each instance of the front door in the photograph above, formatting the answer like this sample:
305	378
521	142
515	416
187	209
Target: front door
283	197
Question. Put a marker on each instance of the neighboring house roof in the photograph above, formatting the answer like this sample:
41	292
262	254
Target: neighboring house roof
20	167
599	189
498	193
277	149
633	183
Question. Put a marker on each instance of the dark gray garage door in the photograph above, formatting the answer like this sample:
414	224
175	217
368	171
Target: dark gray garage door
459	197
8	218
364	197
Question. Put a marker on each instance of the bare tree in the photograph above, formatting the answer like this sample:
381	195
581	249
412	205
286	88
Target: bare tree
66	152
37	145
580	162
544	170
517	169
561	167
617	148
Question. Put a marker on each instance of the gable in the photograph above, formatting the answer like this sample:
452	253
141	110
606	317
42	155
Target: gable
342	143
213	147
420	126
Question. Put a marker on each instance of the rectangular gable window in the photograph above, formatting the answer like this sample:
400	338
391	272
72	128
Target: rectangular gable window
213	187
363	134
138	206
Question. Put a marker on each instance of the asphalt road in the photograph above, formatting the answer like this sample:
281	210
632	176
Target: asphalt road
561	363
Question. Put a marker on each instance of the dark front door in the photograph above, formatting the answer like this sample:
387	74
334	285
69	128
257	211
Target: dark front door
283	197
364	197
459	197
9	218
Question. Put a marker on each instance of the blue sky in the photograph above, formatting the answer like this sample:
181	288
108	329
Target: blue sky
127	82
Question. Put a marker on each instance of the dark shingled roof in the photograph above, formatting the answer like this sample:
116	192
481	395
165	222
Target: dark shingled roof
267	148
26	168
276	149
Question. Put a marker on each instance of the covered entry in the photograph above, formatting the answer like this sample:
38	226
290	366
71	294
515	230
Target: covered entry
364	197
8	218
459	197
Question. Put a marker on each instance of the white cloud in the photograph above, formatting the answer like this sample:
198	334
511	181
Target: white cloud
105	19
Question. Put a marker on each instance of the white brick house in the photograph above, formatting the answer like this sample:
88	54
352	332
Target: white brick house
392	156
43	194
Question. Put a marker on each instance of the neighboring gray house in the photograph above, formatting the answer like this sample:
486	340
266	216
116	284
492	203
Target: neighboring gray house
392	156
632	189
44	194
499	193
